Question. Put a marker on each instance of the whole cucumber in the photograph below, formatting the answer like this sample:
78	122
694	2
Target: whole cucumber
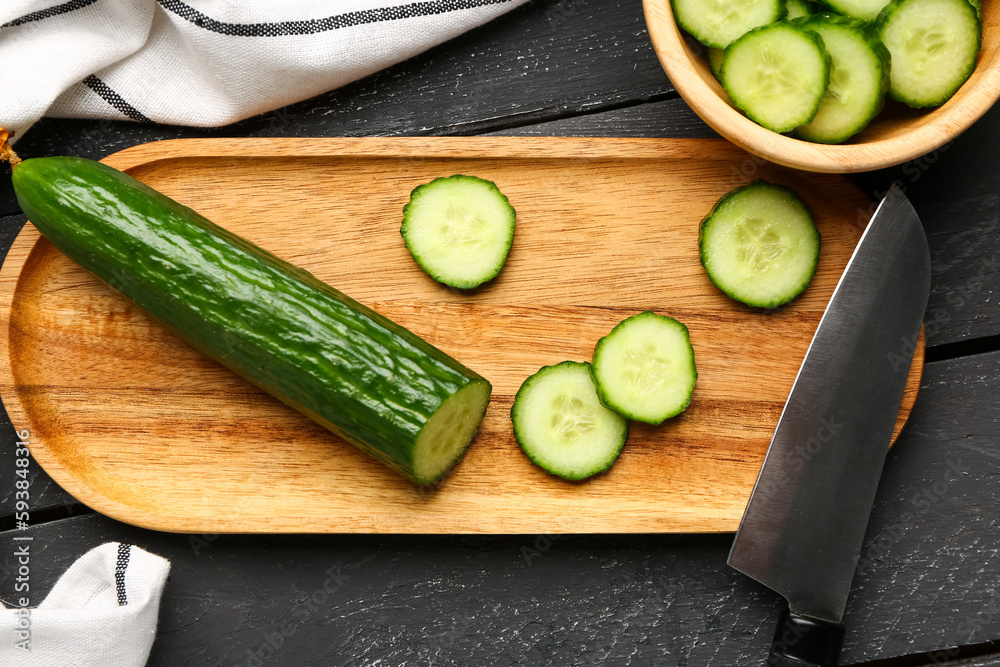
367	379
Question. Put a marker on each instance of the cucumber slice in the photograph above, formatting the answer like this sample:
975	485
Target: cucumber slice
797	9
459	229
859	78
759	245
644	368
934	46
715	58
561	425
865	10
717	23
777	75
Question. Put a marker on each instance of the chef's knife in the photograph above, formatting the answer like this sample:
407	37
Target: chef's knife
803	528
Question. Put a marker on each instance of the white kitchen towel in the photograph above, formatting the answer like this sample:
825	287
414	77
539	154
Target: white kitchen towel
206	62
101	613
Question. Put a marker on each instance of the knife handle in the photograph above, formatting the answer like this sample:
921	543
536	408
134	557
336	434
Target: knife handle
803	641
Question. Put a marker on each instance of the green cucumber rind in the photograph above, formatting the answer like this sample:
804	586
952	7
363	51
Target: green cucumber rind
715	59
521	436
795	292
880	25
707	41
610	401
364	377
841	9
484	277
742	104
867	31
796	9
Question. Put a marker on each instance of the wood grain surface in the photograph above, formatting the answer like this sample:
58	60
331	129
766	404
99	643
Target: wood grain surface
897	135
139	426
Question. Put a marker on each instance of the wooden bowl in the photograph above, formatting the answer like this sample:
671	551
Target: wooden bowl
897	135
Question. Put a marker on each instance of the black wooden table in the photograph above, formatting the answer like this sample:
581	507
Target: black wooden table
928	584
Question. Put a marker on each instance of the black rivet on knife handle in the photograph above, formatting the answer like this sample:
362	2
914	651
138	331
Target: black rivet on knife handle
800	641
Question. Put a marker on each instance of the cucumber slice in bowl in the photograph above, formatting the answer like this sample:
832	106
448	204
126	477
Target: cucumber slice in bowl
459	229
759	245
644	368
715	58
561	425
717	23
777	75
934	46
799	8
859	78
864	10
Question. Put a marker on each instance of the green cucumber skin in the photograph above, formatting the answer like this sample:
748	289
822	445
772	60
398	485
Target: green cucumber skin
365	378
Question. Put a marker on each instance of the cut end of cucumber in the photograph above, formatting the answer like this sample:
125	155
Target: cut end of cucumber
759	245
645	368
561	424
449	431
459	229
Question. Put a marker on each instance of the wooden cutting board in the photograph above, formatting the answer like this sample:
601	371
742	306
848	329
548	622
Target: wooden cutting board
137	425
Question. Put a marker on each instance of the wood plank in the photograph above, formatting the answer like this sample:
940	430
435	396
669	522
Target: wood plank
956	190
666	118
602	600
927	571
104	390
987	661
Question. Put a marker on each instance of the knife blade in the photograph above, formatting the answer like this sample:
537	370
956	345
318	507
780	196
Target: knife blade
804	525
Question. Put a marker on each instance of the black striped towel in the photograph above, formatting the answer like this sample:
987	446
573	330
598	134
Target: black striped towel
206	62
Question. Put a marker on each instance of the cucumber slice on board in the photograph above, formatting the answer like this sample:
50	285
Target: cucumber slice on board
459	229
777	75
865	10
717	23
934	46
644	368
561	425
759	245
859	78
